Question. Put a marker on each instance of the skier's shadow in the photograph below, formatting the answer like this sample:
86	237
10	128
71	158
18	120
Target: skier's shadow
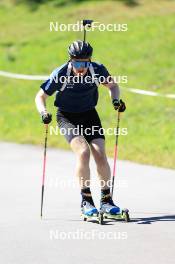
137	220
153	219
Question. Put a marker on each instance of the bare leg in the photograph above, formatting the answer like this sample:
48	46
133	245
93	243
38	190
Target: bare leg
82	151
98	150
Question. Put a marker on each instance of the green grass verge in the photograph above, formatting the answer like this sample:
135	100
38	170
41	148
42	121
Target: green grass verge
145	53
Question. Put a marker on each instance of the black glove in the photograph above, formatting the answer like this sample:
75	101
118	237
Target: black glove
119	105
46	118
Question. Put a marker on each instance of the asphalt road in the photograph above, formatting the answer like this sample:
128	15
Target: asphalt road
62	237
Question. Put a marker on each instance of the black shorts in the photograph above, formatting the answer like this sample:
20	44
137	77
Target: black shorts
87	124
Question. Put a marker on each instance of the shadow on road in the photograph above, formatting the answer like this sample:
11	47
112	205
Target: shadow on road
153	219
137	220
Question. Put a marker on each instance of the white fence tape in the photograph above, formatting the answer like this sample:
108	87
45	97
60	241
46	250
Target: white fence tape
23	76
44	77
150	93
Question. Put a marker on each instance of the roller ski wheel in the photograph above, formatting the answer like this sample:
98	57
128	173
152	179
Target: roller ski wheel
125	213
101	218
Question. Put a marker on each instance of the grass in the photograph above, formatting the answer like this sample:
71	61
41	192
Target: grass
145	53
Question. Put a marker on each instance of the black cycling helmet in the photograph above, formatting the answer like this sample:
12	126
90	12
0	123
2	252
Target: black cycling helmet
80	50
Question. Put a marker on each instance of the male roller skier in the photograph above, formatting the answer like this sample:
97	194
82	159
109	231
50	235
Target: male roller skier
76	102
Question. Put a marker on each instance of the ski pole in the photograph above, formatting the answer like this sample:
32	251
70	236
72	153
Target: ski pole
88	23
115	153
44	168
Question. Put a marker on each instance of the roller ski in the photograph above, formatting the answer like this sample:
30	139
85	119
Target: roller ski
108	210
123	214
90	213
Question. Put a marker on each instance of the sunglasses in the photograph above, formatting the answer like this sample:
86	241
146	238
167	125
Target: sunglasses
80	64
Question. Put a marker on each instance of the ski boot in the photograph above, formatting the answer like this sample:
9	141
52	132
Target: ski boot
108	210
88	209
108	207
